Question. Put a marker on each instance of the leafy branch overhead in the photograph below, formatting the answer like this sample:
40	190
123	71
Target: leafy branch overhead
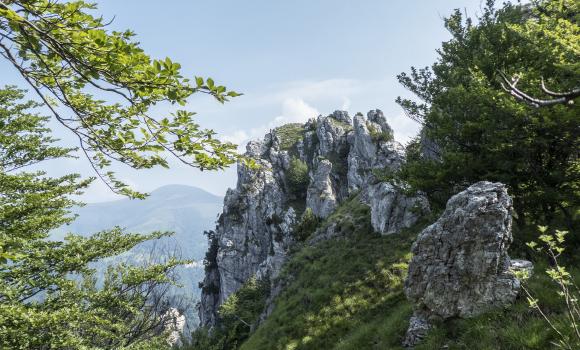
101	86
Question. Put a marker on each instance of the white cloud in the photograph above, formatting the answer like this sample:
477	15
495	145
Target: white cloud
294	110
300	100
236	137
317	90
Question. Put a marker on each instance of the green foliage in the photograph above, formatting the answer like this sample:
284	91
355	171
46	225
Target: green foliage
307	225
289	135
351	216
552	245
486	134
378	135
237	316
297	178
48	293
65	53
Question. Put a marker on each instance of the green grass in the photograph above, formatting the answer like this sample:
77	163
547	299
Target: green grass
347	293
289	135
341	292
517	327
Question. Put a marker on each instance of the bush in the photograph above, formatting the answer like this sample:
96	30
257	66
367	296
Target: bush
297	178
237	315
378	135
307	225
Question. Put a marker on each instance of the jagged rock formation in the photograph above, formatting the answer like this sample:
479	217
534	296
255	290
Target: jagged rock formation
174	325
254	231
392	210
372	147
321	197
460	265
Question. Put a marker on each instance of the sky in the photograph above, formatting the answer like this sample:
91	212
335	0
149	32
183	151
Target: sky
292	60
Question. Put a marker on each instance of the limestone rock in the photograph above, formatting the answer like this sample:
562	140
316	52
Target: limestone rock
367	154
174	325
341	116
254	230
320	196
460	266
331	133
418	329
428	147
391	210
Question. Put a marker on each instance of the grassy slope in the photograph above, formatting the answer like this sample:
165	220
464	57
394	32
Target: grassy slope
341	290
346	293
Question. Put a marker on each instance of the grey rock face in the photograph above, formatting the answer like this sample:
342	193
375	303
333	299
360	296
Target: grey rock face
377	120
210	293
367	154
417	331
254	231
320	196
341	116
460	266
391	210
331	134
429	148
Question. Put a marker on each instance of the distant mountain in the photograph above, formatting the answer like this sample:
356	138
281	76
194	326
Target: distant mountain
185	210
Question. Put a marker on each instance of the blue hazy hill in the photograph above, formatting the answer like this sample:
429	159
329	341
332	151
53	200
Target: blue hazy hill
185	210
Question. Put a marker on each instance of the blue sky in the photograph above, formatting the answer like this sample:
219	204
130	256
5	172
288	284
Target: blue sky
292	60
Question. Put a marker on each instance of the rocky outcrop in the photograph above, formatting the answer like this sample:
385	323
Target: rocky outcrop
392	210
255	230
331	132
460	266
371	147
428	148
174	323
320	196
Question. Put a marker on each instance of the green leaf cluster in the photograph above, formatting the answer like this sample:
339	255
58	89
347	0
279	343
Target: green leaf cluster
49	295
484	133
297	177
102	87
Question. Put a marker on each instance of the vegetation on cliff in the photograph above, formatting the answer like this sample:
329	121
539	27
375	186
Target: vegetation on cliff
345	292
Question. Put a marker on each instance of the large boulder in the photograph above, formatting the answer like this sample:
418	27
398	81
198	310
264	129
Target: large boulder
460	265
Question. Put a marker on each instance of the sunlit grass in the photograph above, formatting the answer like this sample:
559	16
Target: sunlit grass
347	294
339	288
